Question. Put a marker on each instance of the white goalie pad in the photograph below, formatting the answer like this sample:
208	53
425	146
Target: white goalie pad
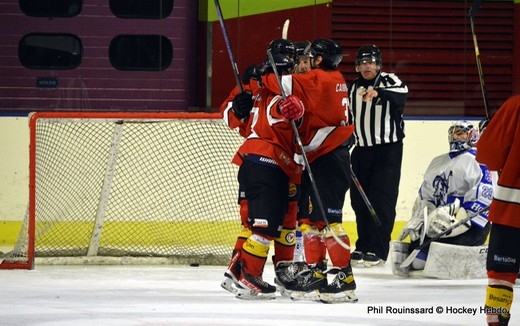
446	261
398	253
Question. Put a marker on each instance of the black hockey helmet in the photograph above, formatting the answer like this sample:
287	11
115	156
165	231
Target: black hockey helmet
282	46
329	50
369	53
302	48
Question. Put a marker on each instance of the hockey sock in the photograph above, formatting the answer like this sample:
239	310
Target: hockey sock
499	297
242	237
284	246
254	254
315	250
339	256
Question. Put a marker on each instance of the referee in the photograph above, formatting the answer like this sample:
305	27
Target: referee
377	101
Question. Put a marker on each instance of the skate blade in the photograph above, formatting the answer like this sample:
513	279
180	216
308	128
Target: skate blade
283	291
245	294
368	264
341	297
228	285
305	296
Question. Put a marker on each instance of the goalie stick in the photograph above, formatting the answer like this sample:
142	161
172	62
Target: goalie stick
319	203
472	12
228	46
408	261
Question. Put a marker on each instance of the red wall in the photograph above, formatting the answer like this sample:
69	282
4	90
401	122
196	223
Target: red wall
249	37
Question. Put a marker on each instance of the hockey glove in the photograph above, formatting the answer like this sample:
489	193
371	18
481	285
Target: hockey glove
242	104
292	108
442	218
415	225
254	72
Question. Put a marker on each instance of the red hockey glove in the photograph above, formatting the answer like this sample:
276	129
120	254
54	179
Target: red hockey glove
292	108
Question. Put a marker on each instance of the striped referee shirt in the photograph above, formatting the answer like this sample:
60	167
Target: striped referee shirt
379	121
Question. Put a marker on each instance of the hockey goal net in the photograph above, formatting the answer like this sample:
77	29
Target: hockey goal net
138	185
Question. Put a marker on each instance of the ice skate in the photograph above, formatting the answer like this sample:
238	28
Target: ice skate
357	258
372	260
309	282
285	277
254	288
341	289
232	275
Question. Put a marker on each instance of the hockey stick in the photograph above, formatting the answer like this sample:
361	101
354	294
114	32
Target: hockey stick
285	29
305	160
228	46
472	12
408	261
371	209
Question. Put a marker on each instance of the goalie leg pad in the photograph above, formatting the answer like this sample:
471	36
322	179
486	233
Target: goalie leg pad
398	253
448	261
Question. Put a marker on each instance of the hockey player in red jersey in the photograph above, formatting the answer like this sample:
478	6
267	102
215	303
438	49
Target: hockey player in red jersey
268	178
499	148
325	132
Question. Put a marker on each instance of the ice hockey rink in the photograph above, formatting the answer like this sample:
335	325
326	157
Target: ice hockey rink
185	295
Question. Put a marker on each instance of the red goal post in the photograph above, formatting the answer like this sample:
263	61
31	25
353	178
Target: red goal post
129	187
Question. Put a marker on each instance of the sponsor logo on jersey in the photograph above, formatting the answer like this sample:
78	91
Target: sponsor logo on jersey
260	223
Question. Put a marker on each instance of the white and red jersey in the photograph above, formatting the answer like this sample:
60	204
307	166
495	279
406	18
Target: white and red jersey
324	125
499	148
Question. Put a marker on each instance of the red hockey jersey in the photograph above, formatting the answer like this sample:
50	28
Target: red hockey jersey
325	124
267	133
499	148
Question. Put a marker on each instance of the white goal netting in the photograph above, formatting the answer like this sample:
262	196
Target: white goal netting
130	185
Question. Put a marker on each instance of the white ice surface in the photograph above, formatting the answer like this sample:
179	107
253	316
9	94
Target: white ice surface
183	295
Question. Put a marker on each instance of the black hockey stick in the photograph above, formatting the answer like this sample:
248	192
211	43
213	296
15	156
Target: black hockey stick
371	209
228	46
408	261
319	203
472	12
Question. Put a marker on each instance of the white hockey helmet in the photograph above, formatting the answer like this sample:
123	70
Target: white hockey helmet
462	135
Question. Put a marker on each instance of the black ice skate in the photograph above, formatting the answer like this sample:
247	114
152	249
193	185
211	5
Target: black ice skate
309	281
341	289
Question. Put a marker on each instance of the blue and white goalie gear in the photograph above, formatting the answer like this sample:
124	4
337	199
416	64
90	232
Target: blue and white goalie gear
414	227
462	136
443	217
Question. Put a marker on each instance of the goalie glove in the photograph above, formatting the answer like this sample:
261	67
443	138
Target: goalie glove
415	225
442	218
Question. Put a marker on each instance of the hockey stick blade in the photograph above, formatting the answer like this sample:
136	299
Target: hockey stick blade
305	160
285	29
408	261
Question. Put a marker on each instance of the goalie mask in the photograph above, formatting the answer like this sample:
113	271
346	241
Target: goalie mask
462	136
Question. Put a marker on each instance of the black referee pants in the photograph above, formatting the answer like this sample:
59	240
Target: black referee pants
378	169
